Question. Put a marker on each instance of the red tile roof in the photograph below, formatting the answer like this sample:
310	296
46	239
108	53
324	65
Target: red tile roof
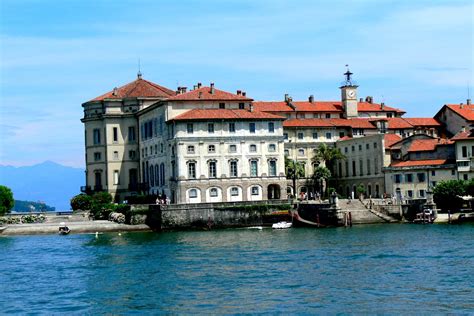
421	163
318	122
466	111
225	114
391	139
422	121
204	94
319	106
427	144
136	89
467	135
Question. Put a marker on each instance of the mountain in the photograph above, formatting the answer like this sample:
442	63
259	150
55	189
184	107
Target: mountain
30	206
49	182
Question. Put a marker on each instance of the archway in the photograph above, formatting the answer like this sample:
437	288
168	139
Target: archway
273	192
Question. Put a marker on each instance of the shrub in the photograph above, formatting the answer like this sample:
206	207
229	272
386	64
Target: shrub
446	193
6	199
81	202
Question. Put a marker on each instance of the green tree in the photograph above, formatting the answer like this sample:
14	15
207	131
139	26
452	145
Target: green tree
294	170
320	177
446	194
360	190
101	205
327	156
81	202
6	200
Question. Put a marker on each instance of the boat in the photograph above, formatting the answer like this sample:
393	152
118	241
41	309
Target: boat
2	228
425	217
63	229
282	225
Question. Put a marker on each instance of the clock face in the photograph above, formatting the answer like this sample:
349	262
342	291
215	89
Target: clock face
351	94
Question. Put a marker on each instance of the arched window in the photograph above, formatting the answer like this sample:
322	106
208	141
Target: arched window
255	190
152	178
253	148
193	193
213	192
234	191
301	152
157	175
162	173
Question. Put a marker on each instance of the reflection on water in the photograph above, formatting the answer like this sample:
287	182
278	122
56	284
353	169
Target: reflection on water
365	269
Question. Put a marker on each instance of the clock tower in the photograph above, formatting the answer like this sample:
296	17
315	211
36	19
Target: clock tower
349	96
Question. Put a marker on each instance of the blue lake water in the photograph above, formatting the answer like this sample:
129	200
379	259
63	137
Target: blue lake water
364	269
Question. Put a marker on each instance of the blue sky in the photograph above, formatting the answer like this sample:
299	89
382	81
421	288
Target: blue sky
55	55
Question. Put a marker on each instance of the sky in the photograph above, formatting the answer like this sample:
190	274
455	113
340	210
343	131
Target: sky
56	55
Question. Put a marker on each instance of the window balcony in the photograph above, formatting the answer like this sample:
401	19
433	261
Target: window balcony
463	165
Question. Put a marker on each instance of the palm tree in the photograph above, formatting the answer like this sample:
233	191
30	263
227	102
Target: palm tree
294	170
320	176
326	156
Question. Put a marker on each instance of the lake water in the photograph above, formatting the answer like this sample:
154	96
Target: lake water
365	269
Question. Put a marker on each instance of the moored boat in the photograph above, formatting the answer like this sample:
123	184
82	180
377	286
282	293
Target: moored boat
282	225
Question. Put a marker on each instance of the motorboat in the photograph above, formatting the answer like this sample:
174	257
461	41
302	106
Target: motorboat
282	225
63	229
425	217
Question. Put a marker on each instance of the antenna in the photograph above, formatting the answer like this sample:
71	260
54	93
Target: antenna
139	73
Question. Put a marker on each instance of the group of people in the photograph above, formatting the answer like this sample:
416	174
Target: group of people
163	199
309	196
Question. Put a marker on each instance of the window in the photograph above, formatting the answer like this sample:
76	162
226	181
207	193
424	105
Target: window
453	172
190	149
315	135
361	167
272	168
271	147
255	190
271	127
328	115
433	183
161	147
232	148
231	127
360	147
285	135
162	174
369	169
418	155
234	191
409	178
464	151
241	106
96	135
97	156
354	171
221	105
132	154
190	128
421	177
464	176
151	177
146	151
375	145
131	134
346	149
376	166
212	169
210	128
116	156
213	192
367	146
300	135
347	168
233	168
252	128
410	193
341	134
211	148
115	133
253	168
157	175
287	152
192	170
253	148
353	148
433	173
193	193
156	149
116	177
421	193
301	152
143	153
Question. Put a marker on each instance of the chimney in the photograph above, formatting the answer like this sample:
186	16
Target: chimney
311	98
369	99
251	107
463	128
115	91
468	101
200	94
195	87
184	89
199	85
461	106
212	87
286	97
361	100
244	93
239	92
382	105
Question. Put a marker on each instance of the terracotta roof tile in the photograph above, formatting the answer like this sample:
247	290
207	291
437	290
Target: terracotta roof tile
422	121
428	144
421	163
466	135
204	93
225	114
318	122
466	110
319	106
136	89
391	139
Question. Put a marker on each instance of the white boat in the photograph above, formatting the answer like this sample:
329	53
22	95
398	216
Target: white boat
282	225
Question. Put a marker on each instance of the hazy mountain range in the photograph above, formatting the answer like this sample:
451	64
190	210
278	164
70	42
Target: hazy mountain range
49	182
